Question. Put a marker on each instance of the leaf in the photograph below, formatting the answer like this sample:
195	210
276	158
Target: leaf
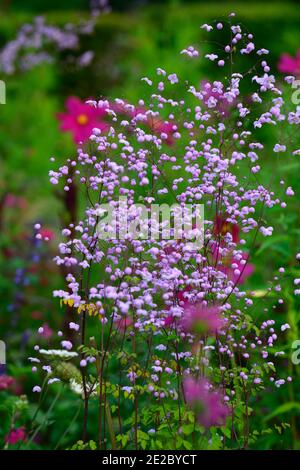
285	408
226	432
187	445
187	429
270	242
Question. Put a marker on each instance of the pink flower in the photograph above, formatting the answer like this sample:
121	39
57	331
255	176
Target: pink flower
16	435
123	324
156	125
182	301
47	233
15	201
207	404
214	99
169	320
5	382
289	64
46	331
162	127
200	319
81	118
237	270
241	272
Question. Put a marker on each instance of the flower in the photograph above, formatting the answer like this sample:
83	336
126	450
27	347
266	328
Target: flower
61	353
222	227
81	118
241	270
74	326
289	64
169	283
235	266
214	98
67	345
18	202
207	404
200	319
159	126
16	435
47	234
123	323
46	331
5	382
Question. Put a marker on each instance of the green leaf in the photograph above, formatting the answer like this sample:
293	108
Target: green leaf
285	408
270	242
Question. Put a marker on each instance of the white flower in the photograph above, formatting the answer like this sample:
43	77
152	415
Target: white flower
58	353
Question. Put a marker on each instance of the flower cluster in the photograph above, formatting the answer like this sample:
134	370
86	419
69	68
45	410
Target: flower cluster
188	306
38	42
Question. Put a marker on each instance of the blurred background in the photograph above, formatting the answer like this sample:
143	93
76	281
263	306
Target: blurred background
129	40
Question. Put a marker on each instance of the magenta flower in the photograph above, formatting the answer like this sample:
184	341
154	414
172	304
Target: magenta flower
289	64
182	301
81	118
161	127
169	320
123	324
200	319
207	404
18	202
237	269
5	382
222	227
155	124
16	435
214	99
47	331
240	272
47	233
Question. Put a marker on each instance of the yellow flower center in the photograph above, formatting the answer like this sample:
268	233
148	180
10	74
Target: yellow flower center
82	119
225	228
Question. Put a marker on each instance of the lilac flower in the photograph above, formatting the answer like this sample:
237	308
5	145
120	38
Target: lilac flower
74	326
279	148
160	287
66	345
289	192
266	231
39	42
173	78
207	27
